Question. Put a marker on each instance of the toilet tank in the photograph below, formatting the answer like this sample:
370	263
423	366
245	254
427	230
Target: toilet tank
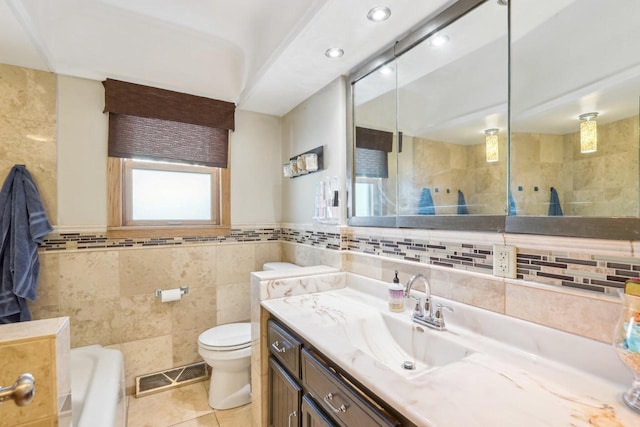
268	266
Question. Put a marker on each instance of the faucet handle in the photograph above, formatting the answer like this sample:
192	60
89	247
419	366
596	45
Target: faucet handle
439	308
417	310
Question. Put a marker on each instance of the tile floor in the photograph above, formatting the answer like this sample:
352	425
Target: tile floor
184	407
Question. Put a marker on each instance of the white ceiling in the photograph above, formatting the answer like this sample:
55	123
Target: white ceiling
265	55
568	57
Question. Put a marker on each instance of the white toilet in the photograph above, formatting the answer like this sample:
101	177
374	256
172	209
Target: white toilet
227	349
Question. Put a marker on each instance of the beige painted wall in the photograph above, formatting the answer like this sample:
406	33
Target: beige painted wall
82	152
318	121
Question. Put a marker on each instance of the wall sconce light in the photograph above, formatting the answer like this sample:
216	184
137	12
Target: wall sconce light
491	145
588	133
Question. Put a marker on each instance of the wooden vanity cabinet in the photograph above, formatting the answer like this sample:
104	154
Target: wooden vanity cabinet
285	397
307	390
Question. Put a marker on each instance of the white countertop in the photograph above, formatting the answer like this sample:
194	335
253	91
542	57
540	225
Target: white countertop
497	384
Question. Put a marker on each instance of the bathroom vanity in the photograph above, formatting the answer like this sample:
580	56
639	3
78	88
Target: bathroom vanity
338	352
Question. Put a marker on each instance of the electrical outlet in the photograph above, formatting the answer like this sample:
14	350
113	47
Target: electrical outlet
504	261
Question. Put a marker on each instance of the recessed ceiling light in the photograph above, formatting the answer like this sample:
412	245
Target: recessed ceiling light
379	14
334	52
438	40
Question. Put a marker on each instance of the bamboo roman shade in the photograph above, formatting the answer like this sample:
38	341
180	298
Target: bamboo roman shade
372	147
373	139
158	124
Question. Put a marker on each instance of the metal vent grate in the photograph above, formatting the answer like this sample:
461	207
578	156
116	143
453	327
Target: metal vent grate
160	381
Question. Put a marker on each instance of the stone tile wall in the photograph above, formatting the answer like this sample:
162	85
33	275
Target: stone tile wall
108	295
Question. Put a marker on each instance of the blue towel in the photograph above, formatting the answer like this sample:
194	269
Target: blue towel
554	204
23	225
425	207
512	205
462	205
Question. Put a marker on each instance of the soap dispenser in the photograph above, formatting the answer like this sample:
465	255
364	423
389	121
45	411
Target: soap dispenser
396	295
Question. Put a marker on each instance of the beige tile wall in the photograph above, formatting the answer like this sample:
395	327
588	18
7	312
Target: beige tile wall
28	128
604	183
456	167
108	295
582	313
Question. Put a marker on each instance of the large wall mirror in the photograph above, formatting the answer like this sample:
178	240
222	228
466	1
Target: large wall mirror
430	125
431	121
575	96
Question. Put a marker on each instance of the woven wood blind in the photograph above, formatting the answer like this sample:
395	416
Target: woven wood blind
158	124
372	139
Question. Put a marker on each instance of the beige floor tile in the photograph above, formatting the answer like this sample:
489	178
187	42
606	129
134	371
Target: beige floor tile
204	421
236	417
170	407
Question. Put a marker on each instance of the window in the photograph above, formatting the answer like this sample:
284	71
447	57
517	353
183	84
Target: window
170	194
148	198
168	171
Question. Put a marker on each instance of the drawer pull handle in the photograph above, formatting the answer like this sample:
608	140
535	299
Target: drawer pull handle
291	415
278	349
328	398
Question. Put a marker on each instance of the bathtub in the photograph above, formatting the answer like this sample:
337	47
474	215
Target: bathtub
97	387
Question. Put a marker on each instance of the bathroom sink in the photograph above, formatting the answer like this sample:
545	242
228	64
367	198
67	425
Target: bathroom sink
393	340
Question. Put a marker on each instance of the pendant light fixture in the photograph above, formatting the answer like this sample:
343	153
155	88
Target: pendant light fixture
588	133
491	145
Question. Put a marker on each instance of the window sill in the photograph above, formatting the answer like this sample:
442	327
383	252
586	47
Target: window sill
168	231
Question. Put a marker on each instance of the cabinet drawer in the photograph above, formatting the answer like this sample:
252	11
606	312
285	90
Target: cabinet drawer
312	416
284	347
345	405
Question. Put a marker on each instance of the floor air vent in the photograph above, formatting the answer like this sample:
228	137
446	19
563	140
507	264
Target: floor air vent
160	381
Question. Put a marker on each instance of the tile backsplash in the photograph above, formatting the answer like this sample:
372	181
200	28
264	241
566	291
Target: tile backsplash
584	270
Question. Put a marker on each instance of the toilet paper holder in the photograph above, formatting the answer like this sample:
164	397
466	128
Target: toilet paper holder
183	291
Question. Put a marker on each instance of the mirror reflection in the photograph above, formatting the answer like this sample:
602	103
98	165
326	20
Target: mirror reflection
574	107
452	103
375	152
441	108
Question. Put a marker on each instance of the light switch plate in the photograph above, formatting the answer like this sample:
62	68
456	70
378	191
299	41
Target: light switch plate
504	261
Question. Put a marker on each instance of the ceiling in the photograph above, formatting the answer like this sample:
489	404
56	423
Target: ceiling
568	57
265	55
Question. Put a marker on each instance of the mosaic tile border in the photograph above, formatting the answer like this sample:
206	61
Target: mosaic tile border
470	257
579	270
585	271
335	241
80	241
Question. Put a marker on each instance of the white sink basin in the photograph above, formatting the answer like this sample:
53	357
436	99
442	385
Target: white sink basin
393	340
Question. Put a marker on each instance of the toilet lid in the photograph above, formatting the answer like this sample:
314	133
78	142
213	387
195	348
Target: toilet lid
231	336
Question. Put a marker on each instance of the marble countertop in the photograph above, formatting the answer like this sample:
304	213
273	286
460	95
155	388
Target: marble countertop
496	384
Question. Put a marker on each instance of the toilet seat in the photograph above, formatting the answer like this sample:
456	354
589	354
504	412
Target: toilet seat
229	337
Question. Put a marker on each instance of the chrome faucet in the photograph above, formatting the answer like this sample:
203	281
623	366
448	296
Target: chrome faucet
424	314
